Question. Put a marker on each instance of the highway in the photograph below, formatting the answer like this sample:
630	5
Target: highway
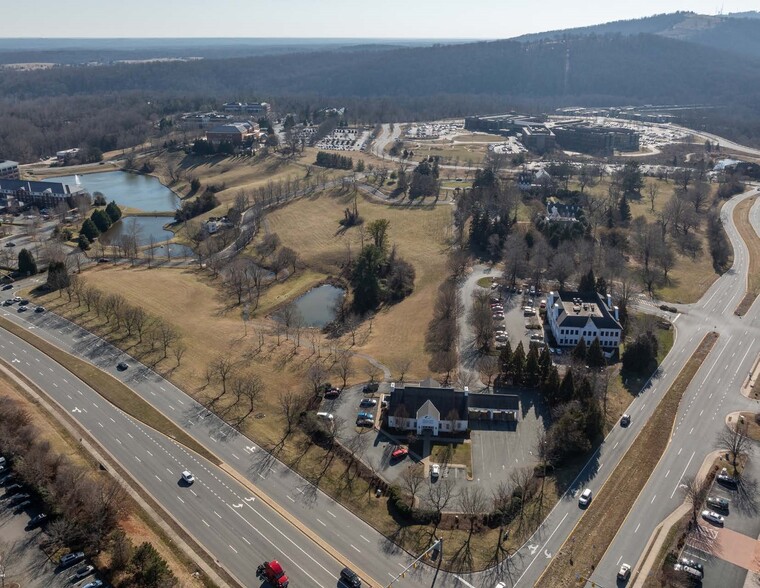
241	533
713	393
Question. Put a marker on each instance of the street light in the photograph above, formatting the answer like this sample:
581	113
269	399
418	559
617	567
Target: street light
436	547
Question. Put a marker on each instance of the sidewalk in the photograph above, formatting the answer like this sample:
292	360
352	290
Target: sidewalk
648	559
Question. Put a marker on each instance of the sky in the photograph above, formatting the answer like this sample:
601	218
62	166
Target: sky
415	19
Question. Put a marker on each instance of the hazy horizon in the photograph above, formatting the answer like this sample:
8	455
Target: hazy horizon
392	20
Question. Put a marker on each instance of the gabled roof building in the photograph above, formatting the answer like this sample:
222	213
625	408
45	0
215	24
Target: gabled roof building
573	316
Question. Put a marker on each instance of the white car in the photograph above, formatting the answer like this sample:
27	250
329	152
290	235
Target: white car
435	470
187	477
585	498
625	572
713	517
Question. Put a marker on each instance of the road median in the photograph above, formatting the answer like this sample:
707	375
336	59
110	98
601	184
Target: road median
111	389
585	546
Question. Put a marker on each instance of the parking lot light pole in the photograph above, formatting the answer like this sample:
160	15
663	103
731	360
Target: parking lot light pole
437	545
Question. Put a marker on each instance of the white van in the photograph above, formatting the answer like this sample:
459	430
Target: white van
325	415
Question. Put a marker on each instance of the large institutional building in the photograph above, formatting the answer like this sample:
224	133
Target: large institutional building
8	170
573	316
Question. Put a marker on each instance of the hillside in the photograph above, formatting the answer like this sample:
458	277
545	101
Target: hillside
738	33
642	68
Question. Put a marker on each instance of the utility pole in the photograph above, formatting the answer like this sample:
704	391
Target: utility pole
438	545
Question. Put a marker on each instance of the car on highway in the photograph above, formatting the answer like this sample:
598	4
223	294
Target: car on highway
368	402
713	517
39	309
435	470
94	584
718	502
37	520
399	453
350	578
121	366
83	572
625	420
187	477
71	558
624	573
7	286
585	497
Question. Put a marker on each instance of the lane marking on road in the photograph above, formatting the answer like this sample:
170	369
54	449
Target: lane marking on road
157	478
205	523
101	425
539	553
653	498
138	459
363	537
667	473
152	392
291	499
321	523
170	472
331	514
193	493
356	548
235	456
162	389
463	581
683	474
113	421
119	441
246	540
217	514
233	549
636	529
149	453
130	435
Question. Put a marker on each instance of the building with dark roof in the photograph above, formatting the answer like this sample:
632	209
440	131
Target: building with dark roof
538	138
235	133
586	138
430	408
27	192
8	170
573	316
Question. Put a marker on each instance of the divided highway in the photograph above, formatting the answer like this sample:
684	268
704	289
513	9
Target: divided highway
241	531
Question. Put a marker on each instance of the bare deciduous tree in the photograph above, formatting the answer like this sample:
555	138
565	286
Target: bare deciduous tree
735	441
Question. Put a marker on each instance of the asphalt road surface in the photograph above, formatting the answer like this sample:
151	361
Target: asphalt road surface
225	522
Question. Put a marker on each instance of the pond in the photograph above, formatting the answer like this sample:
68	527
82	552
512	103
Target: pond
143	227
174	250
317	306
134	190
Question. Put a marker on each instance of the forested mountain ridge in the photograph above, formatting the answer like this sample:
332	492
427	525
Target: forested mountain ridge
738	33
610	68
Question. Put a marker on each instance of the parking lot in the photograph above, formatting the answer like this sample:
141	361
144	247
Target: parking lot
728	550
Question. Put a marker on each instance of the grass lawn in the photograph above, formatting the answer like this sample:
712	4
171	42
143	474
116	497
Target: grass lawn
136	524
310	226
753	425
452	453
601	521
749	236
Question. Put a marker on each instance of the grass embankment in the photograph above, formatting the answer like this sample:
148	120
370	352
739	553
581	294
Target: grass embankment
750	238
136	524
452	454
111	389
752	422
612	503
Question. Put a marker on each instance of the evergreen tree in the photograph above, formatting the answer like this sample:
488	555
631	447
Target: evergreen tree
57	275
588	282
550	386
583	391
595	356
625	209
518	364
580	351
89	230
101	220
26	264
365	279
505	361
545	363
566	388
532	368
601	286
83	242
113	211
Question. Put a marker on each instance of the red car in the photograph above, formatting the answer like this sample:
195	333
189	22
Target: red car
399	453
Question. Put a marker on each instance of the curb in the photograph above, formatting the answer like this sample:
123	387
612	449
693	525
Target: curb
77	431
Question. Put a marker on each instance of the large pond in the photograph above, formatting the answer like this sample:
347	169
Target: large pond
134	190
317	306
143	227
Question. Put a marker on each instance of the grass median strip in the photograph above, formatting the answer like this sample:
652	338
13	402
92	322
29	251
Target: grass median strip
111	389
750	238
585	546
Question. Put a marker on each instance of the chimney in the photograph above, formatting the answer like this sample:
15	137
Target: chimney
617	316
609	300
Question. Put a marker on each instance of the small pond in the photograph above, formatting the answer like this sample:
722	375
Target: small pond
317	306
142	226
134	190
173	250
